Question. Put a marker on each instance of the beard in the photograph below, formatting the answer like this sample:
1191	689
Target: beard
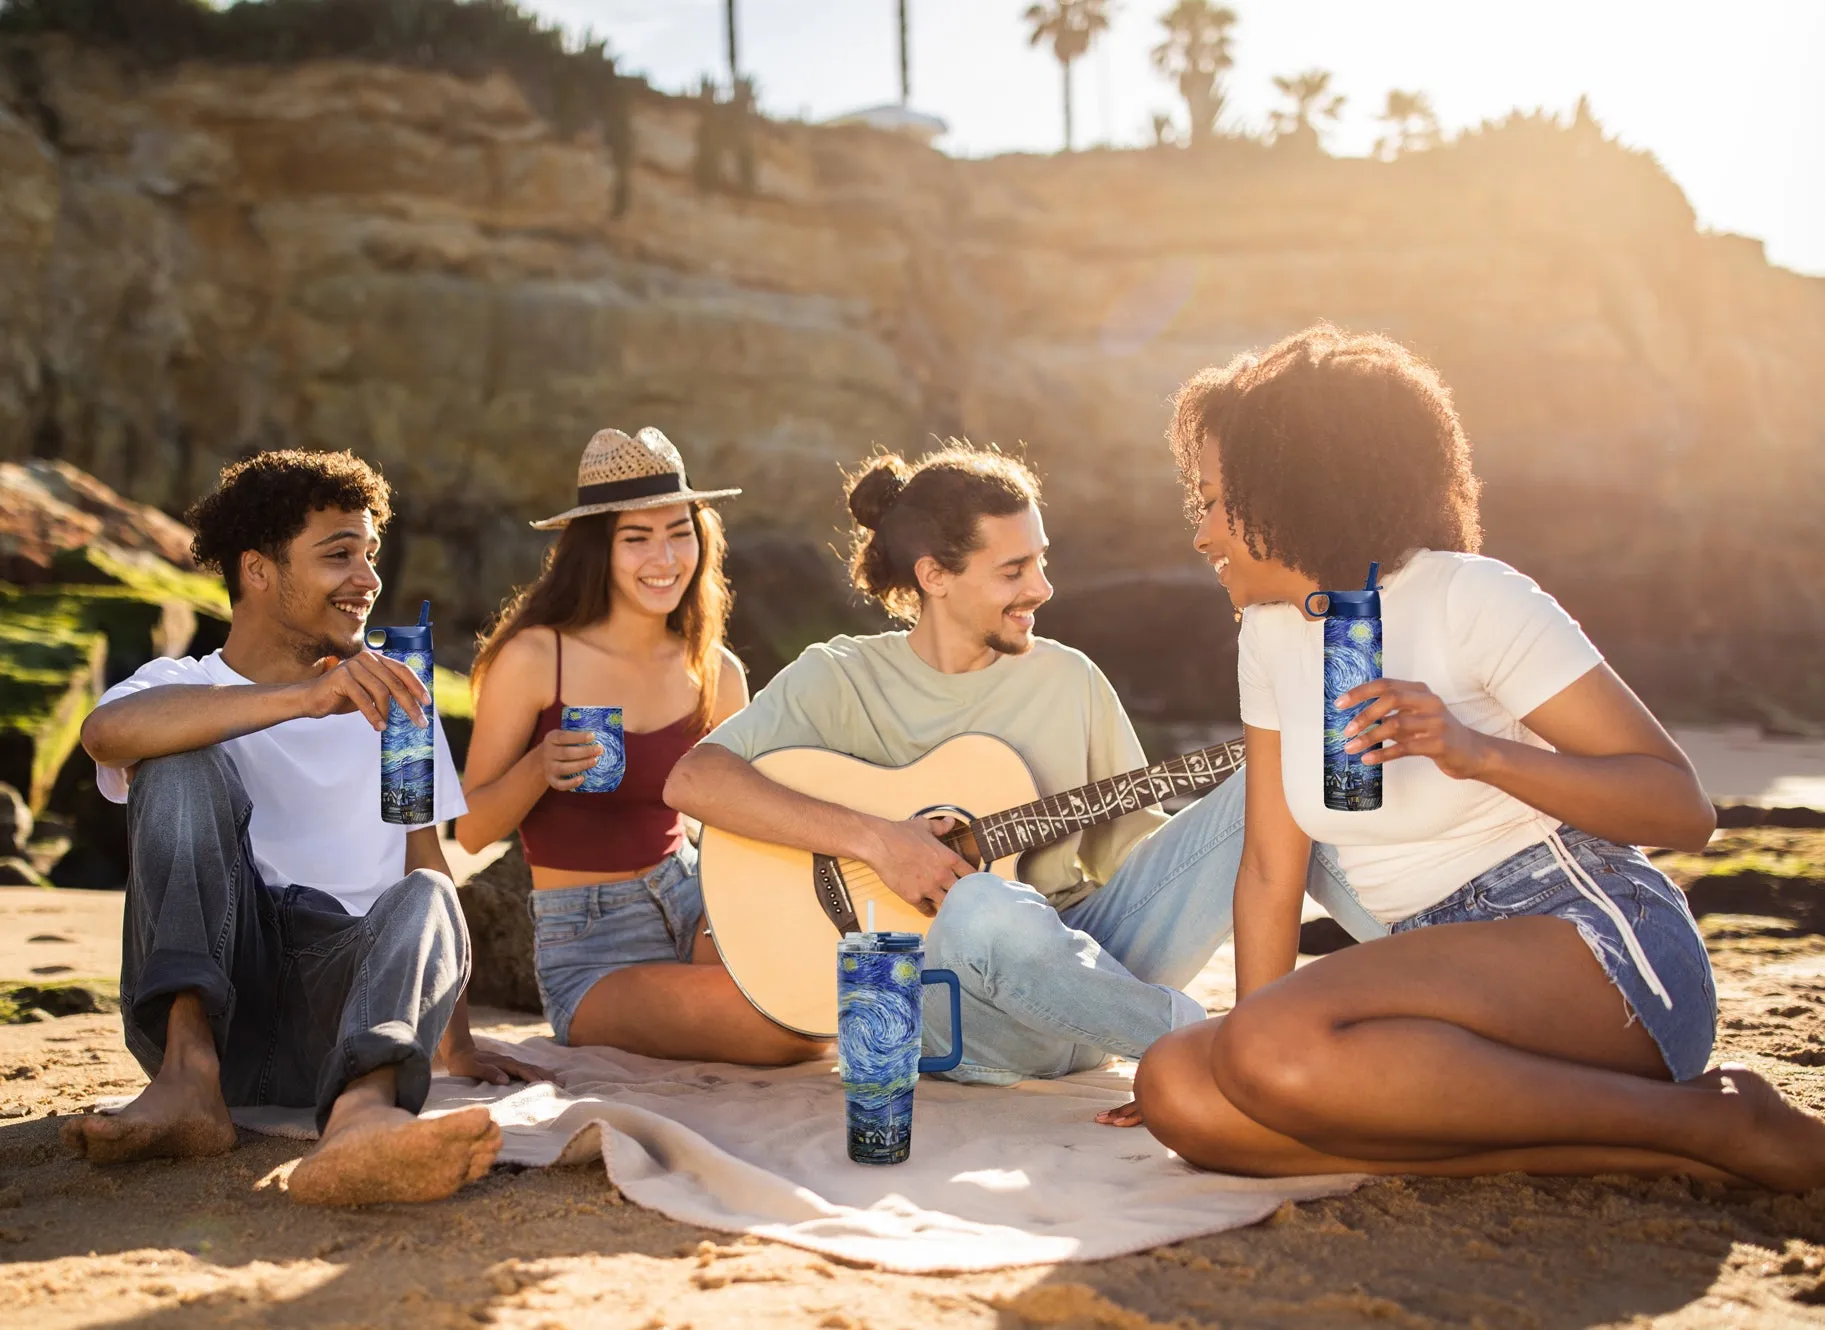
309	642
1007	646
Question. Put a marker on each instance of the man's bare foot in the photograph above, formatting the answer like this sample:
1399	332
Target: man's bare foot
1128	1115
1783	1146
374	1152
178	1116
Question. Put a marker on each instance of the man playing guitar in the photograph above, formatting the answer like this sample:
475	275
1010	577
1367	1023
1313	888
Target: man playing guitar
1087	954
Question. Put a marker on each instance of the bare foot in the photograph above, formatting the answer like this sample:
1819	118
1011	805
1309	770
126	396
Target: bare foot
178	1116
379	1152
1128	1115
1783	1147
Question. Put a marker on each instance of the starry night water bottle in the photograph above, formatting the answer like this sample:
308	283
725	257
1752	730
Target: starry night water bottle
408	754
880	980
1352	658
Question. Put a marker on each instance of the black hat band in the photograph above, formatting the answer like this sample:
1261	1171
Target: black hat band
640	487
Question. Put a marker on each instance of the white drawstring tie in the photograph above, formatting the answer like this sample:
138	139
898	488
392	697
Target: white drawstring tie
1589	889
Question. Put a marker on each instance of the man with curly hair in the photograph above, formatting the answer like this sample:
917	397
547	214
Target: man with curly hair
284	945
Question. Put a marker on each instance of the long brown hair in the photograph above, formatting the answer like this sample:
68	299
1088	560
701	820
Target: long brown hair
573	590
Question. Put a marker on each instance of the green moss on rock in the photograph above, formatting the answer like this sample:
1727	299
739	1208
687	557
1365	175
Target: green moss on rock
51	656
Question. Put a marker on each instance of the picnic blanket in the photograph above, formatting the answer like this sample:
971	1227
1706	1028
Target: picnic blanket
1020	1175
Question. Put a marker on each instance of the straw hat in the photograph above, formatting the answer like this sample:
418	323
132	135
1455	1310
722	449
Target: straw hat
619	474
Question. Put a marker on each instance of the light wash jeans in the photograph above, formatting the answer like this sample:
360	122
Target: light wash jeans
1047	993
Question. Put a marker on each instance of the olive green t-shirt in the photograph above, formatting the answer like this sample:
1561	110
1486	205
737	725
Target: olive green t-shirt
873	698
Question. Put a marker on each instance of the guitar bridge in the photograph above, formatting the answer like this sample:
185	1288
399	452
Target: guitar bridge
833	893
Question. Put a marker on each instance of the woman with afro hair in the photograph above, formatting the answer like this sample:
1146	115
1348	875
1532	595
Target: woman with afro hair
1543	1001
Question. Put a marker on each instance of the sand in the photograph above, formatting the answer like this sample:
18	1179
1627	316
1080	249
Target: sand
217	1242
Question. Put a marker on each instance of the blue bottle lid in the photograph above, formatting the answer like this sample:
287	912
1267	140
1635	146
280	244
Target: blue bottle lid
1364	604
410	637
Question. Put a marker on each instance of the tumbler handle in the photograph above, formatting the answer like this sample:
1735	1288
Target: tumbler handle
946	1061
1318	614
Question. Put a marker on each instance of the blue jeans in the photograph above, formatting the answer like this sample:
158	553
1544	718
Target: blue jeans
1636	923
302	997
581	935
1047	993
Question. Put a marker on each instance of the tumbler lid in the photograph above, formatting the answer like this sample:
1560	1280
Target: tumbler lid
881	942
1351	604
1364	604
409	637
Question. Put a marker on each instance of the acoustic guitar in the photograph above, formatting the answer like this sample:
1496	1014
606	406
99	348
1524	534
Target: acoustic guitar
777	912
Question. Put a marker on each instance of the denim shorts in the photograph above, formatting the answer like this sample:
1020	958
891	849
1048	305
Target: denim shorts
1636	923
582	934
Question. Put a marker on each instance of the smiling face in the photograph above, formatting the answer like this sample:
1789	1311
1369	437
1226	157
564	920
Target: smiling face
994	599
655	552
320	595
1248	579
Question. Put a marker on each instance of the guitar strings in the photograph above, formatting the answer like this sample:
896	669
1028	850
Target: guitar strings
1220	760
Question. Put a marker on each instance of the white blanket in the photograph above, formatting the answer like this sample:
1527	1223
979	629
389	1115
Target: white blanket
998	1177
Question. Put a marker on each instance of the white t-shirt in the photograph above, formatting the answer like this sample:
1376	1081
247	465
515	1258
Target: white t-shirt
315	786
1493	646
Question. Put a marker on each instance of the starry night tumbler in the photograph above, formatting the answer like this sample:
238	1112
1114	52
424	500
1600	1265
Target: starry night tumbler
408	754
879	985
1352	657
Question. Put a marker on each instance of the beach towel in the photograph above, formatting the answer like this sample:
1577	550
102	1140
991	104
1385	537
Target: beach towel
999	1176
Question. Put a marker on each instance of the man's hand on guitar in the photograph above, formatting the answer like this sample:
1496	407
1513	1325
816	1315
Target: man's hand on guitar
918	867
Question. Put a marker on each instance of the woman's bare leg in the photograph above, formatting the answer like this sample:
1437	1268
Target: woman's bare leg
690	1012
1461	1048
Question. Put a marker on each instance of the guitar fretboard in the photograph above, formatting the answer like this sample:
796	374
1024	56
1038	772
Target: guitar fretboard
1056	816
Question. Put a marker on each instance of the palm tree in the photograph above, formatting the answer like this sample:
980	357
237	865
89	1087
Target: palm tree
1312	96
729	28
1071	26
1412	124
905	67
1196	53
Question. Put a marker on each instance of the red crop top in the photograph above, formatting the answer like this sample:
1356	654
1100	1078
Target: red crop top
623	829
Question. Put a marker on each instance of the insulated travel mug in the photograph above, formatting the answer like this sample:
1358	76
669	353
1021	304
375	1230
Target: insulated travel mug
408	754
605	724
879	984
1352	657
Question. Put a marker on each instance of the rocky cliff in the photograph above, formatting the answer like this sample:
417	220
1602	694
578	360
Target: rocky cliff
203	260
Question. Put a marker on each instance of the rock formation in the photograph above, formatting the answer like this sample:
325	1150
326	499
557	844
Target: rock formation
207	259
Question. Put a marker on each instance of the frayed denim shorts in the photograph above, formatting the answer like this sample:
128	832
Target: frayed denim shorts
1636	923
580	935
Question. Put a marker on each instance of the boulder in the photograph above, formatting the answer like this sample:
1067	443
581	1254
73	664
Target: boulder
95	585
51	662
48	508
500	933
15	821
16	872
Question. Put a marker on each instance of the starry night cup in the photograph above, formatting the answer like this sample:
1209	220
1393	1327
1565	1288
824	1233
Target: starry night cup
605	724
1352	658
408	752
880	989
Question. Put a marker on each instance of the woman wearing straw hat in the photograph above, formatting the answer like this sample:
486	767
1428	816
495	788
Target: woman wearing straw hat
628	612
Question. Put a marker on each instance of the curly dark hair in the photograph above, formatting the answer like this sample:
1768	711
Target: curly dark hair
904	512
1337	448
263	503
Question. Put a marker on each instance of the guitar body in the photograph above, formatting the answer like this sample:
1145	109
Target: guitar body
774	910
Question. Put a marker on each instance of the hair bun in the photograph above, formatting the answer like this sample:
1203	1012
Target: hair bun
874	490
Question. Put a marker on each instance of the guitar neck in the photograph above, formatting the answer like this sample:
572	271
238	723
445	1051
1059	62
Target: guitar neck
1051	819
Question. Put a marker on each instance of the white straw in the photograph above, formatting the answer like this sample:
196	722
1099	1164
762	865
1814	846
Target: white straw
871	916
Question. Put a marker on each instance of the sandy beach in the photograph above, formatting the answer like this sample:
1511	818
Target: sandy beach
218	1242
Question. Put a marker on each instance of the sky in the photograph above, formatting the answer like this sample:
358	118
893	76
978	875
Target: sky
1730	98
